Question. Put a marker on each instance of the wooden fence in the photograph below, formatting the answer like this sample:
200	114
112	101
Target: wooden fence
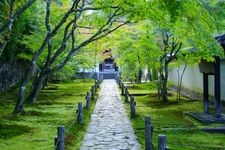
162	142
148	126
59	141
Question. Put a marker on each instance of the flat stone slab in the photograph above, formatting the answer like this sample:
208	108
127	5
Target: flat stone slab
110	128
215	130
207	118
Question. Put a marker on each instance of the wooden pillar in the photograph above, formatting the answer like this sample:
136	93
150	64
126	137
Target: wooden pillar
162	142
96	86
206	93
98	83
132	107
60	143
92	92
80	114
88	100
119	82
122	89
217	87
126	95
148	134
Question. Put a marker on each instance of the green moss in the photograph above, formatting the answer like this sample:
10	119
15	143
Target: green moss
182	131
37	127
10	131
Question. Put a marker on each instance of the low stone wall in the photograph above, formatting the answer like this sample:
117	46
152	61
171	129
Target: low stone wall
108	75
97	75
86	75
10	74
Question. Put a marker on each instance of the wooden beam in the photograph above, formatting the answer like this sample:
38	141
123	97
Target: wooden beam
217	87
206	93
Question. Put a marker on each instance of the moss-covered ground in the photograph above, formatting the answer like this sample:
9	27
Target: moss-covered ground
182	132
37	127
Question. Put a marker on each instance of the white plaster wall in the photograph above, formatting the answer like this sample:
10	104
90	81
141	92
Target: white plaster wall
193	80
222	68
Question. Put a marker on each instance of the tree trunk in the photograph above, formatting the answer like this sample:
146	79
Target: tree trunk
139	76
154	74
39	82
149	74
164	91
37	86
21	96
20	101
45	82
180	82
160	80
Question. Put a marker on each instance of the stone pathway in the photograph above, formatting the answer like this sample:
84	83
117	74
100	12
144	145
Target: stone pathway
110	128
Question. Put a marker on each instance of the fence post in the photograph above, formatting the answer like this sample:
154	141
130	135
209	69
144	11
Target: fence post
87	100
117	79
98	83
92	92
148	134
119	82
162	142
56	143
126	95
79	113
59	141
122	89
132	106
96	86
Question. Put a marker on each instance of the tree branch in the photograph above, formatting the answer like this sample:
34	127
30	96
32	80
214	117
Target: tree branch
48	27
66	37
12	17
91	39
